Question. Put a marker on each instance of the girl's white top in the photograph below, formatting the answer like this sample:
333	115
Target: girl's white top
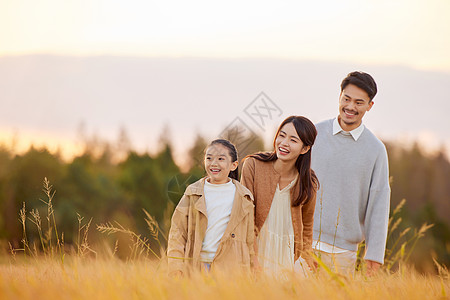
276	238
219	202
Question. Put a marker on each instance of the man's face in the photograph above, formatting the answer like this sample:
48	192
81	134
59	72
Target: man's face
353	104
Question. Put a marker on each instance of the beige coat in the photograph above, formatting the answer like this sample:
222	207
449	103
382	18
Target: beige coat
189	223
262	179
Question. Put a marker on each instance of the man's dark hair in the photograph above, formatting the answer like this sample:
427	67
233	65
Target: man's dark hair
363	81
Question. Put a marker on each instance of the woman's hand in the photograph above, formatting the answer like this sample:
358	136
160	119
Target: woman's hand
312	264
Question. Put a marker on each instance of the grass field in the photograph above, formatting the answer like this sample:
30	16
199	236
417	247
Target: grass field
49	269
47	278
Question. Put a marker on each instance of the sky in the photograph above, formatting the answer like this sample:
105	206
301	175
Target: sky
407	32
404	36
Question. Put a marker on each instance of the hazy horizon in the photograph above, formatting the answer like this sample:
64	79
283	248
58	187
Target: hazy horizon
55	98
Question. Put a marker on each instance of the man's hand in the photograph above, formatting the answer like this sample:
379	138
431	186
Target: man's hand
372	267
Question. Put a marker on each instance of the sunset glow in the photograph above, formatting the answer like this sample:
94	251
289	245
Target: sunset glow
380	32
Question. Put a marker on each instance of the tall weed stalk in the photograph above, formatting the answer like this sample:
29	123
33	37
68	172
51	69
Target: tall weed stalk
403	246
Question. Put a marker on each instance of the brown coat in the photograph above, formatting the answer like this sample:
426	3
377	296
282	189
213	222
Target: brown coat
189	223
262	179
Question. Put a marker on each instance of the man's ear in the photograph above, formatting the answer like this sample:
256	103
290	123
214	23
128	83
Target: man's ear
371	103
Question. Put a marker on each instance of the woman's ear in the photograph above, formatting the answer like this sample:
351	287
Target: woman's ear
234	165
305	149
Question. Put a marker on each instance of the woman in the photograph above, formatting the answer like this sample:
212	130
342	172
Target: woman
284	189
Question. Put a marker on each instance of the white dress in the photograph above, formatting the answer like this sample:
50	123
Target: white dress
276	238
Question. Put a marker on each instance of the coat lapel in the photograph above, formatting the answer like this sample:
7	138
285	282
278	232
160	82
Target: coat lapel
241	208
201	217
199	202
200	205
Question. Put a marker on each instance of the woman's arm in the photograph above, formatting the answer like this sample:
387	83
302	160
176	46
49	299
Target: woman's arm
248	175
308	223
248	180
251	241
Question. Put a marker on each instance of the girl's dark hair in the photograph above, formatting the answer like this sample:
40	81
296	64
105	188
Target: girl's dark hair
233	153
308	181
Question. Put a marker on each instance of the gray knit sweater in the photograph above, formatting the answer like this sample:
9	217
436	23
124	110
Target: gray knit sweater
354	183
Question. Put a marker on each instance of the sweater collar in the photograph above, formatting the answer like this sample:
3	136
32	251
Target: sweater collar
355	133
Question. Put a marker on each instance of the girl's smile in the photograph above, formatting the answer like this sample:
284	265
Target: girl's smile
218	164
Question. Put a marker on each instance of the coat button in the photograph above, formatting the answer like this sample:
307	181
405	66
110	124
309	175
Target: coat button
232	235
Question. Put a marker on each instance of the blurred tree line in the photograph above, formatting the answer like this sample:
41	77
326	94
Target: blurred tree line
114	183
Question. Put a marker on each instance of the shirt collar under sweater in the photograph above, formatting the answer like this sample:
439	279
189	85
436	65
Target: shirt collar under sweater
355	133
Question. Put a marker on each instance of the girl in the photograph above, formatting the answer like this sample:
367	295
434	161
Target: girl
284	189
213	224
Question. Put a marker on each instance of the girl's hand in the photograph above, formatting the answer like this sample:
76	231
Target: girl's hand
256	266
176	274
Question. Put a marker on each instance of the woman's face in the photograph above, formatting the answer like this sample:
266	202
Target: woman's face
288	144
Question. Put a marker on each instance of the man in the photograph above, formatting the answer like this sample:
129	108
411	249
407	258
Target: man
352	166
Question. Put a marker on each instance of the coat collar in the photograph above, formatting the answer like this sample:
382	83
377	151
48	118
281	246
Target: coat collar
240	209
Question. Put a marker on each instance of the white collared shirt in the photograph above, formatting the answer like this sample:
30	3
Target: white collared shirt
355	133
328	248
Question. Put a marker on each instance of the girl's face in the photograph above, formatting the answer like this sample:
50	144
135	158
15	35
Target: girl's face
288	145
218	164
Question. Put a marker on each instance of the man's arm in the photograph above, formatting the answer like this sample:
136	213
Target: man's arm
377	213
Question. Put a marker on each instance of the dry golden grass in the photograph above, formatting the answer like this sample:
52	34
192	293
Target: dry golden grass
45	278
48	270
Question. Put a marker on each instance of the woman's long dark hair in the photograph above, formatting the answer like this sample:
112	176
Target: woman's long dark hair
233	153
308	180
